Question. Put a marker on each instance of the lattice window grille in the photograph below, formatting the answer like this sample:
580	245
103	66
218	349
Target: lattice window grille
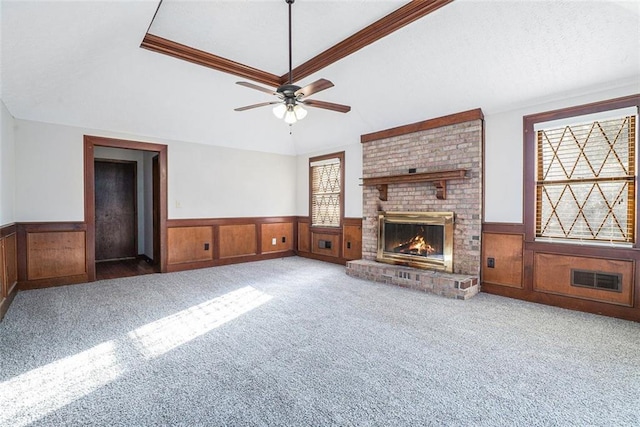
585	181
325	189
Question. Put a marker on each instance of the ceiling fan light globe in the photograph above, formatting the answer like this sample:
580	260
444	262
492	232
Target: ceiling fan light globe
300	112
290	117
279	110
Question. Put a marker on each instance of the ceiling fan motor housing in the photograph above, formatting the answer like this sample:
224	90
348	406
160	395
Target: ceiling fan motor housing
288	91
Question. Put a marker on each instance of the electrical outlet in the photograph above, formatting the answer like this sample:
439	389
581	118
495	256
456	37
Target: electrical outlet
491	262
274	241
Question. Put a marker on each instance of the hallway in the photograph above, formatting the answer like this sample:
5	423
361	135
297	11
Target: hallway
123	268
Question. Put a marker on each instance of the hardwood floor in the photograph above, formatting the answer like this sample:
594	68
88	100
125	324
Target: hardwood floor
123	268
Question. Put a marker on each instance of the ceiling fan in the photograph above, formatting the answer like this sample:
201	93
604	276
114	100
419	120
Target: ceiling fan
293	97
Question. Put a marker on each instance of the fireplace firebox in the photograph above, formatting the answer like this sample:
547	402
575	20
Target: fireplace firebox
416	239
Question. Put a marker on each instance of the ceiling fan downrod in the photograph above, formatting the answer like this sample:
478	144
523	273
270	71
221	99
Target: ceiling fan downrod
290	2
291	110
288	90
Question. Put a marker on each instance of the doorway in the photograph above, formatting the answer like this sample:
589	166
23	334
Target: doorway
118	252
125	207
116	210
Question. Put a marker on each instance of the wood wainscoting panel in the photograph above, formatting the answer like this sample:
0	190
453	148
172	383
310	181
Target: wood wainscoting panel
552	274
304	237
11	262
3	275
190	244
232	240
55	254
352	241
8	267
8	271
281	232
506	251
320	241
238	240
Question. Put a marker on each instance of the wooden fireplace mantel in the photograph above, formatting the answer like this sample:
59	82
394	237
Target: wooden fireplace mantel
439	179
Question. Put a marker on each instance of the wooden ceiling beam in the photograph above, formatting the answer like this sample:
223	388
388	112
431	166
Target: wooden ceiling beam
200	57
402	16
405	15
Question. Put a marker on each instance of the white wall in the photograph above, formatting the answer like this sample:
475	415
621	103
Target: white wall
203	181
218	182
352	175
504	150
49	172
7	169
138	157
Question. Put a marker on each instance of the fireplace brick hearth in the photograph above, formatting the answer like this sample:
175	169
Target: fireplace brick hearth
447	143
457	286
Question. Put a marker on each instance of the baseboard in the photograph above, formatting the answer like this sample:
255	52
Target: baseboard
325	258
145	258
227	261
570	303
51	282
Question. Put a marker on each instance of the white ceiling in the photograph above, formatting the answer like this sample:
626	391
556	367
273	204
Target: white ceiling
79	63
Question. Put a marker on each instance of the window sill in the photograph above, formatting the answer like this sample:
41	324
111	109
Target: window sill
325	229
598	244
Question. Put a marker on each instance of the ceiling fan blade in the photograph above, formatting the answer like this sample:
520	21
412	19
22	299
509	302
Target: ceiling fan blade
327	105
314	87
256	87
262	104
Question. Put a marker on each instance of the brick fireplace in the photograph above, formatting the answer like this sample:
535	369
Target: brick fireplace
433	166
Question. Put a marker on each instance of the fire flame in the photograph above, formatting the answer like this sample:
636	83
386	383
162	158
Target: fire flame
418	244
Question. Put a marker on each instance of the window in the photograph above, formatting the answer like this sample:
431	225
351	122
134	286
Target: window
583	170
326	180
585	180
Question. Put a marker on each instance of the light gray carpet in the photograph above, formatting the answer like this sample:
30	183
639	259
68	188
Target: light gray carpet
296	342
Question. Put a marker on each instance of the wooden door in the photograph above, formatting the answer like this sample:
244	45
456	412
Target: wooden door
116	218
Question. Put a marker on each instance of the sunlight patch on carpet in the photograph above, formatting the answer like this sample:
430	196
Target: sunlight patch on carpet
163	335
41	391
34	394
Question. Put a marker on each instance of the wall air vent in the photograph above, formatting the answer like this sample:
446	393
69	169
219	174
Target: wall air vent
596	280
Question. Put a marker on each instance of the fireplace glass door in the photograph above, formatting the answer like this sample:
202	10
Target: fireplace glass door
425	240
416	239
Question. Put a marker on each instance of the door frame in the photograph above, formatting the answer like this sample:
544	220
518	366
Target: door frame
90	142
155	173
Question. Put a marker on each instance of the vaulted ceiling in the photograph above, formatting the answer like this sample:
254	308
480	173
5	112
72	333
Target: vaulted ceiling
81	63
